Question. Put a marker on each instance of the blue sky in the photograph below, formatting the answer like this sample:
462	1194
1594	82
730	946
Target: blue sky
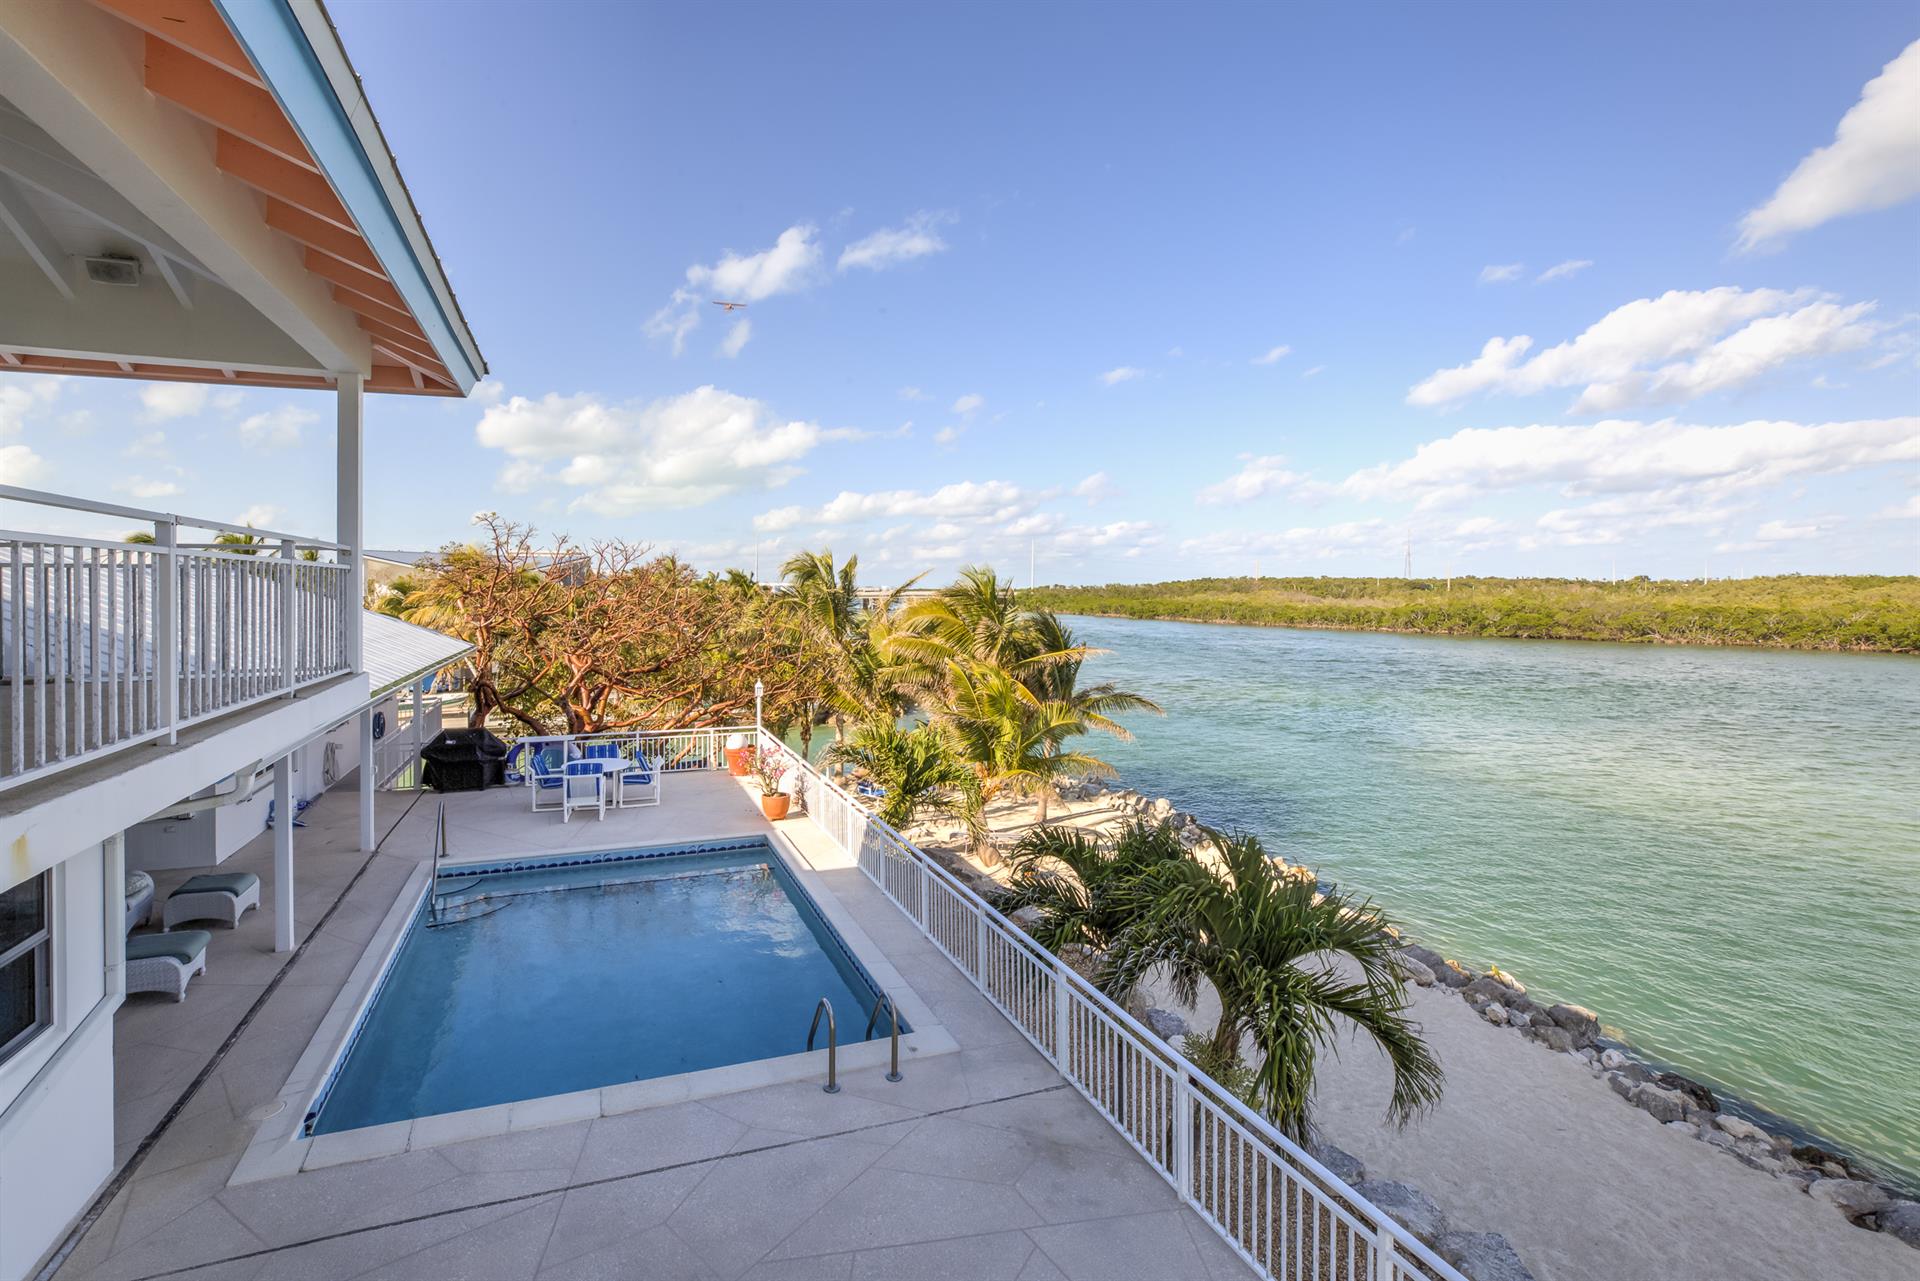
1152	291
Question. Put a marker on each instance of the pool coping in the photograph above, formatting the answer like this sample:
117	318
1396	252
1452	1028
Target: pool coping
280	1147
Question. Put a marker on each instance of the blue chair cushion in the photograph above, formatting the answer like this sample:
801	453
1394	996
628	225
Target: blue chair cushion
602	751
184	946
234	883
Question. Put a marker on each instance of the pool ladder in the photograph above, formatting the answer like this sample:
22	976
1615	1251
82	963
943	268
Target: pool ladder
833	1038
439	853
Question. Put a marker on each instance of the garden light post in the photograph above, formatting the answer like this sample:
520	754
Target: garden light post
759	692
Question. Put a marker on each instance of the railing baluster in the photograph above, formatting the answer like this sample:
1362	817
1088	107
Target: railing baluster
17	658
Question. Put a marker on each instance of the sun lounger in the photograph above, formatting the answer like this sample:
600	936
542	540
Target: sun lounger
221	896
139	899
165	962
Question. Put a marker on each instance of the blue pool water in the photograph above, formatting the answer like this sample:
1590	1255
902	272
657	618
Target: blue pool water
545	979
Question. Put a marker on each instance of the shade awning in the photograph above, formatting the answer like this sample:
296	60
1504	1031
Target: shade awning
399	653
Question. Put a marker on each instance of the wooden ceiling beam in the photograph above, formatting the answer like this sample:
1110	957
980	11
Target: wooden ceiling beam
318	233
223	100
408	333
274	176
371	307
348	276
193	25
399	357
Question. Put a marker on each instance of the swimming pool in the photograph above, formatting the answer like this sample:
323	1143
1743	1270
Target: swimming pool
540	976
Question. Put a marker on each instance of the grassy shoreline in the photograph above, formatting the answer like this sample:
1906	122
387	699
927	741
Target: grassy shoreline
1858	614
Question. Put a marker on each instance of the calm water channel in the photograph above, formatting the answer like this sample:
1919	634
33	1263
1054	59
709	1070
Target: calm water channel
1717	849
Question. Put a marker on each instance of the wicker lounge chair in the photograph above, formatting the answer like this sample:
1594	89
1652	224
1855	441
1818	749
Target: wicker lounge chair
165	962
219	896
139	900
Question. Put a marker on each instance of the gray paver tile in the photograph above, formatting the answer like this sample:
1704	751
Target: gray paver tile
1144	1247
897	1207
999	1256
597	1218
656	1254
1065	1184
654	1137
784	1187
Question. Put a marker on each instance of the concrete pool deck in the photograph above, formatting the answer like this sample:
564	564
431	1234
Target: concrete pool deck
982	1163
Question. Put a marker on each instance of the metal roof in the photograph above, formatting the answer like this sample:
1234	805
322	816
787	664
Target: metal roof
399	653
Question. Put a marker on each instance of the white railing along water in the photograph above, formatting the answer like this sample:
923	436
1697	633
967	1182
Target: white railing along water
104	645
1282	1211
672	750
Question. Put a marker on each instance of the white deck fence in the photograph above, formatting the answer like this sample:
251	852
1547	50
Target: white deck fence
397	756
1283	1212
104	645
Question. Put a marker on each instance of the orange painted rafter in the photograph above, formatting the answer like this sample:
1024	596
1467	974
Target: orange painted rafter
271	175
408	334
192	25
371	307
347	276
398	357
317	233
417	352
223	100
386	378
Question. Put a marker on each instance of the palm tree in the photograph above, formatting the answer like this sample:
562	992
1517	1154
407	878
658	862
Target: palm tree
1009	735
1057	680
918	769
1281	956
1082	885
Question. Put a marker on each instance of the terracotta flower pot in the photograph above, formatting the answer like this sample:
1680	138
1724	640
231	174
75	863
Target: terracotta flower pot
737	761
774	806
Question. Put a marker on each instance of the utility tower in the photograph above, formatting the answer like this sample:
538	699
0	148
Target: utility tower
1407	570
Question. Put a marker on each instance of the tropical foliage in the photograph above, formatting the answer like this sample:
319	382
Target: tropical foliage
1294	968
1793	611
913	774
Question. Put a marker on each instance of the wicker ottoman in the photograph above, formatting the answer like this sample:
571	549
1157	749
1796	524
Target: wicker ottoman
165	962
218	896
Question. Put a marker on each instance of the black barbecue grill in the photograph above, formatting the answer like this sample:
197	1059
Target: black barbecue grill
464	760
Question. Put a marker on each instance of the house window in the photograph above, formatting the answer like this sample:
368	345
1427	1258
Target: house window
26	963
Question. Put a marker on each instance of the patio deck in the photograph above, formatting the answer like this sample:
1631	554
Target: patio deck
982	1163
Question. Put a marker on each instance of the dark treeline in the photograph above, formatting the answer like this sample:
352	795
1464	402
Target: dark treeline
1794	611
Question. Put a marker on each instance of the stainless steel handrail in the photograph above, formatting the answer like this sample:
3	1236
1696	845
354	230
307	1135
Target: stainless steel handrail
439	852
833	1044
893	1048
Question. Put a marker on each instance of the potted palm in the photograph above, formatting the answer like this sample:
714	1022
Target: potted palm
768	769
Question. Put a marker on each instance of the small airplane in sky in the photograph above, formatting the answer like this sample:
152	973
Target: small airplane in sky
729	306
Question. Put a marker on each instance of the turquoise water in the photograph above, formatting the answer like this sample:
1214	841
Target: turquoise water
1716	849
546	981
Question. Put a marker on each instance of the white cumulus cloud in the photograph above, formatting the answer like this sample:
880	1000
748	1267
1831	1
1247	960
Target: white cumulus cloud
969	403
1273	354
791	264
891	246
1872	162
22	397
19	465
1683	344
1501	273
1124	374
736	337
680	451
1258	477
276	429
1564	270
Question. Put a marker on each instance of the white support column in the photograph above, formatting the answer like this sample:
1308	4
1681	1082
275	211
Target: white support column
113	859
349	489
367	771
283	854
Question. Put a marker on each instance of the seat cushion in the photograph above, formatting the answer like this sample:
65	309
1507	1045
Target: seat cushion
234	883
138	883
184	946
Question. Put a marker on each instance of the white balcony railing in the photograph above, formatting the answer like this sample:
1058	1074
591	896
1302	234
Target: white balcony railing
397	756
1282	1211
104	645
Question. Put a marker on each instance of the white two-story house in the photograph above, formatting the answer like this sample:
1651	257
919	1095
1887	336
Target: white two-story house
190	190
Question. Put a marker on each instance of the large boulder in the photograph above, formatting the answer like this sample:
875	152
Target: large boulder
1613	1060
1166	1025
1854	1198
1661	1105
1454	974
1700	1094
1411	1208
1494	1013
1487	986
1425	955
1417	972
1551	1035
1346	1167
1482	1256
1507	981
1901	1220
1162	809
1740	1129
1583	1023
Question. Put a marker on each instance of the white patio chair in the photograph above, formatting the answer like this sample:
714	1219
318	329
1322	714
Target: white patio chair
585	788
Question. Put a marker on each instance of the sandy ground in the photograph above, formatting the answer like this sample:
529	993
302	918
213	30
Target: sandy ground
1533	1145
